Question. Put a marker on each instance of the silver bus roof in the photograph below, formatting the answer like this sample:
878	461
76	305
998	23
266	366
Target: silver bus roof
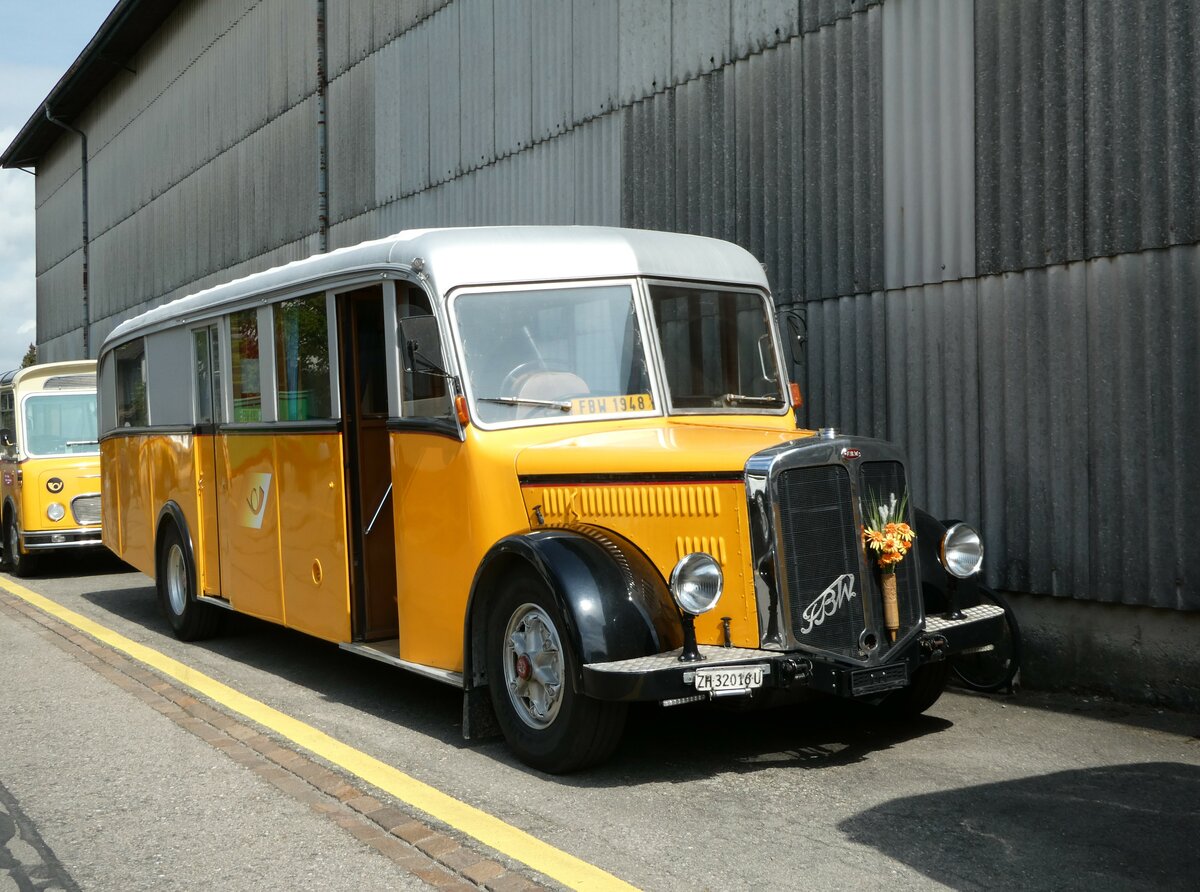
495	255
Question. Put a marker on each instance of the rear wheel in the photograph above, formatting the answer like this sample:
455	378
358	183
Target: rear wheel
176	581
530	670
20	564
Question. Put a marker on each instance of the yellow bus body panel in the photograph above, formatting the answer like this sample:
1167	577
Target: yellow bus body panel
451	502
280	553
312	523
666	520
31	495
141	473
454	500
283	550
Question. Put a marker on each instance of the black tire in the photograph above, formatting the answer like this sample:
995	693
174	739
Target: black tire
923	691
175	580
23	565
547	724
994	669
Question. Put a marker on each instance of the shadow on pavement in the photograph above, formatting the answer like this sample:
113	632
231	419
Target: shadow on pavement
1117	827
1101	709
76	564
691	742
680	743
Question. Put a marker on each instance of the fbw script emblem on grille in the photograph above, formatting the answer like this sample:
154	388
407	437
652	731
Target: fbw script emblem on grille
829	602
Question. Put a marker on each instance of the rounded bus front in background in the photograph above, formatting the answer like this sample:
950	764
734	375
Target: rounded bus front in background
49	463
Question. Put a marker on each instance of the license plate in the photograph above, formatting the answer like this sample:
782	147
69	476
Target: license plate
604	405
874	681
732	680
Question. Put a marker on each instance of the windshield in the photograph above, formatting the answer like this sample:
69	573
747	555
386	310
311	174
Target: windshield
717	349
553	353
60	423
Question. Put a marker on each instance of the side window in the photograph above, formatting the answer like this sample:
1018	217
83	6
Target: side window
243	344
207	350
131	385
425	393
8	425
302	359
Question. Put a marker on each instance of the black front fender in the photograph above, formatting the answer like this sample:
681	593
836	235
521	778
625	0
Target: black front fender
614	602
937	586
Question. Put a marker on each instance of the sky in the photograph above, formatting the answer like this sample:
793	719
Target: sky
38	43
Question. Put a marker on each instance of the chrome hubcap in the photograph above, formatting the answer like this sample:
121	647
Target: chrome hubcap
176	580
14	543
533	666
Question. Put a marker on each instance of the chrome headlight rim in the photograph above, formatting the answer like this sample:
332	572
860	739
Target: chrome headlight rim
961	551
696	583
56	511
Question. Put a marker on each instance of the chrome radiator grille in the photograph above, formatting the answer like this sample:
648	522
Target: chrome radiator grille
86	510
819	545
830	600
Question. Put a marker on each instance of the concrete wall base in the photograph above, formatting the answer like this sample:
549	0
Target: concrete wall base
1133	654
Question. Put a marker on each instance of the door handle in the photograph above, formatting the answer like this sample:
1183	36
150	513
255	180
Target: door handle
375	516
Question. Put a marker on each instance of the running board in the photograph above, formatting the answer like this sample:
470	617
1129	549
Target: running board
389	652
215	602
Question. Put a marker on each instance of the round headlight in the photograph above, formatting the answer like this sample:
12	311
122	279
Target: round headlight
56	512
696	583
962	551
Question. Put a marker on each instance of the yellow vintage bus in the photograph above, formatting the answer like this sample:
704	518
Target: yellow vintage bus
49	462
556	467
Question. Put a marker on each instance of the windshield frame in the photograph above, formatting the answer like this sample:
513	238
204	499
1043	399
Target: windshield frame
23	428
637	296
660	371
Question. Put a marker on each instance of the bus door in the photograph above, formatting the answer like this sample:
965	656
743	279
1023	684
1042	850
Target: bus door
209	413
368	463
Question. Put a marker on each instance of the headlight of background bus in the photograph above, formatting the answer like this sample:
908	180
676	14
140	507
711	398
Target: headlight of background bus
696	583
962	551
56	512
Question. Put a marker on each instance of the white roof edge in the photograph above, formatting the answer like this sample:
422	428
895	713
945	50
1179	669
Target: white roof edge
460	257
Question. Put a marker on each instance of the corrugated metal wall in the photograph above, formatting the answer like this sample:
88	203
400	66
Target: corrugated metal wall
987	210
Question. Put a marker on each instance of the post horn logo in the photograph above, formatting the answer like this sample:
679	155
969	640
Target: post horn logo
54	484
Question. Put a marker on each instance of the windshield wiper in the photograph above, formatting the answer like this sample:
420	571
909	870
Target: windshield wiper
561	405
744	398
82	442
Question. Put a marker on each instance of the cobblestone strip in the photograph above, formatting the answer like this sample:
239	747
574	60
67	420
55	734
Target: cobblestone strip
436	857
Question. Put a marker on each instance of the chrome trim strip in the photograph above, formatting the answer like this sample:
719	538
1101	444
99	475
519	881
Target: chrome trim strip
216	601
78	539
384	652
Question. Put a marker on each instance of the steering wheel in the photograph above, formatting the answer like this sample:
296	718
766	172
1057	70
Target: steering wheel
509	385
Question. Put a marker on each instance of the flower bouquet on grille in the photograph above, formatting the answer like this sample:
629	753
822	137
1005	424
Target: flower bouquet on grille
888	537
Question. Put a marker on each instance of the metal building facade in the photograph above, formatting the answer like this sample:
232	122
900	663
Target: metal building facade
987	209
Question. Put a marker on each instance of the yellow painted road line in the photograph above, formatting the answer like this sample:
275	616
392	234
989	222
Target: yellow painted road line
491	831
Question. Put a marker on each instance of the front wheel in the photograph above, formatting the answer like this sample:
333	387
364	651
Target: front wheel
20	564
176	582
926	687
992	668
546	722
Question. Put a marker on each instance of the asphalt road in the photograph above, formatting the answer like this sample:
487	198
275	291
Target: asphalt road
105	785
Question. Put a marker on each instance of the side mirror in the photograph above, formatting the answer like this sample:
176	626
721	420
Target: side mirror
421	346
794	325
6	438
